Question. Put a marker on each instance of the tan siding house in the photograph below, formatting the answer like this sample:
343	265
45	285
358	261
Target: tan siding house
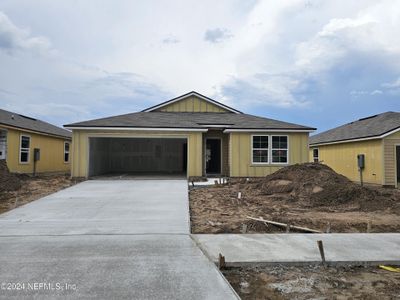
377	138
21	136
190	135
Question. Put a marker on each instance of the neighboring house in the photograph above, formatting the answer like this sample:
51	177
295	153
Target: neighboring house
21	135
192	135
377	137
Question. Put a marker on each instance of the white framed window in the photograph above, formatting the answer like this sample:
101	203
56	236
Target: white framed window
315	152
24	149
260	149
66	152
280	149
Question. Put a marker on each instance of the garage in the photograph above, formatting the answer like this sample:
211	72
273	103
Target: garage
137	156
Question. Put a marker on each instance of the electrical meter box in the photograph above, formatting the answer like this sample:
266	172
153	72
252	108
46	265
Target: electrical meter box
36	154
361	161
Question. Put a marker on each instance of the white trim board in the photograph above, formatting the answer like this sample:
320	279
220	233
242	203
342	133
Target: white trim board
266	131
138	128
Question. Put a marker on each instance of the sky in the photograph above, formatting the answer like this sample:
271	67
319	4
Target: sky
318	63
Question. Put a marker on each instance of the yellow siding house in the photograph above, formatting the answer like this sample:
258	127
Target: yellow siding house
191	135
32	146
375	140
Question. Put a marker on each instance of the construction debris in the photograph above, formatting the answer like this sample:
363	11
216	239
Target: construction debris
308	195
283	225
313	282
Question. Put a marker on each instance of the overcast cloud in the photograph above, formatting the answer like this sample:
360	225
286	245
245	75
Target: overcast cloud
318	63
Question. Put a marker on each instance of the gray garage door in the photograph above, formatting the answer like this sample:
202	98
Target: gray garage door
137	156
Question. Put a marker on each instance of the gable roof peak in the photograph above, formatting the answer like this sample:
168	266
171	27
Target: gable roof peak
189	94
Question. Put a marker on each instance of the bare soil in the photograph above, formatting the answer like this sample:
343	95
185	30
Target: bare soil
8	181
310	195
32	188
314	282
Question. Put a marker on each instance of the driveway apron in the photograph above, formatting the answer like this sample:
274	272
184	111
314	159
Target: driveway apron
107	239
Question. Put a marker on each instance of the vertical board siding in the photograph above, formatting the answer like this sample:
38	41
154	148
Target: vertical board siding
241	157
192	104
80	153
343	159
51	153
389	158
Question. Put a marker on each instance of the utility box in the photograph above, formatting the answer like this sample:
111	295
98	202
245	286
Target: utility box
361	161
36	154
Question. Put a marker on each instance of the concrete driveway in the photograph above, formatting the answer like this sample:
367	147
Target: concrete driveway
107	239
105	207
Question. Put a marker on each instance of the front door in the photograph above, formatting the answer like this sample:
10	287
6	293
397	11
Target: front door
213	156
398	164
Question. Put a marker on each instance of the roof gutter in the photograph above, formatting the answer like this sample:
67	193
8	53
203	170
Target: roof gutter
268	130
137	128
358	139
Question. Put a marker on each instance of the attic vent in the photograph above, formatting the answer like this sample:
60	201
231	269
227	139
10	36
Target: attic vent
33	119
366	118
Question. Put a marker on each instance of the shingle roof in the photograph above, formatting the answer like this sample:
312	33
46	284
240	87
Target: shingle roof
24	122
189	120
369	127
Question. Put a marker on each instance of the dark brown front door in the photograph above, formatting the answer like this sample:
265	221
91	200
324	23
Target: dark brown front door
213	156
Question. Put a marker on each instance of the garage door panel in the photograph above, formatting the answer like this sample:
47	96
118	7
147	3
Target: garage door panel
136	155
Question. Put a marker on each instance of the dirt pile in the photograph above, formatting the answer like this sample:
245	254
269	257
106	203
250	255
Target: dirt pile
314	184
8	181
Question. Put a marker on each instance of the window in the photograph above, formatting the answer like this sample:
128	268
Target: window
315	155
24	149
280	149
66	152
260	149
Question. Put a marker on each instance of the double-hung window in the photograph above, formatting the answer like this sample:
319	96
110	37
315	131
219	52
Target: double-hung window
260	149
66	152
280	149
24	149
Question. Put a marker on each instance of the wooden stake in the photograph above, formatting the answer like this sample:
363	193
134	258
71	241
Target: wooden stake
287	228
321	251
369	224
328	228
221	262
16	200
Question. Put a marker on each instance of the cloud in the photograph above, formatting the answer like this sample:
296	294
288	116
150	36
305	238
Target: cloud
376	92
13	38
217	35
170	40
287	58
393	84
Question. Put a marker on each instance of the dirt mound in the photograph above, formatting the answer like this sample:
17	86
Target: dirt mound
316	184
8	181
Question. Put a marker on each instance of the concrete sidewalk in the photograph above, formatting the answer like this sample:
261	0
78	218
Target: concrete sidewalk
110	267
242	249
